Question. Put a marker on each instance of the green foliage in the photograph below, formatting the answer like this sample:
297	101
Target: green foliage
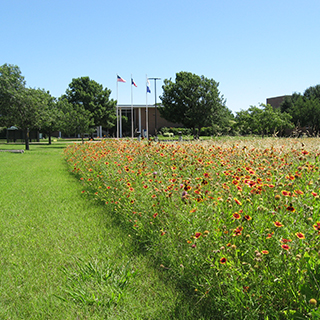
192	100
168	134
304	109
214	130
25	108
94	99
176	131
75	118
12	87
262	121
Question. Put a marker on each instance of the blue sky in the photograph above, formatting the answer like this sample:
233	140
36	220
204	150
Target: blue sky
254	49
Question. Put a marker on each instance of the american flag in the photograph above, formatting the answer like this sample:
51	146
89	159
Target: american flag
119	79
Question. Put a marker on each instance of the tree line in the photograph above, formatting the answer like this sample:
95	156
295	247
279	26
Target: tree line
193	101
197	103
84	106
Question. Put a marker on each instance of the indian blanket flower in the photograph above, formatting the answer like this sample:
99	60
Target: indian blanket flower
300	235
317	226
278	224
247	217
269	235
197	235
285	193
223	260
237	201
291	208
236	215
285	247
237	231
285	240
264	251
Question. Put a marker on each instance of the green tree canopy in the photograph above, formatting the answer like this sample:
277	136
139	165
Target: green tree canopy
12	87
262	120
19	106
92	97
74	118
304	108
192	100
51	115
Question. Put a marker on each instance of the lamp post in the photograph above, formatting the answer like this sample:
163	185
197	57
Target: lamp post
155	103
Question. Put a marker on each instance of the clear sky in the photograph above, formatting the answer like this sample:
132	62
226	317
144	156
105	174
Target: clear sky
255	49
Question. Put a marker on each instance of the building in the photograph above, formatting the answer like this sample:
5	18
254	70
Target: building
146	119
275	102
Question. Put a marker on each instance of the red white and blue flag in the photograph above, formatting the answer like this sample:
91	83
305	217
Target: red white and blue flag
148	86
133	83
119	79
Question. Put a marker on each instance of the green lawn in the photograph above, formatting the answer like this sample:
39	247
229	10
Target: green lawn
63	257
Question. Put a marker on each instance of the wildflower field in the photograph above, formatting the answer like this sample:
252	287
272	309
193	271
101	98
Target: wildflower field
235	222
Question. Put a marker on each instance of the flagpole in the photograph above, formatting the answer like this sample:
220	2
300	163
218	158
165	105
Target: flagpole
117	110
147	117
155	104
131	107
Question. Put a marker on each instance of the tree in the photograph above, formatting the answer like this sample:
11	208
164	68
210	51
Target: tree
304	109
262	120
312	92
191	100
19	106
93	98
51	115
12	85
306	113
289	101
75	118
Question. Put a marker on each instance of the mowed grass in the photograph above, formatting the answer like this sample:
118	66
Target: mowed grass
61	254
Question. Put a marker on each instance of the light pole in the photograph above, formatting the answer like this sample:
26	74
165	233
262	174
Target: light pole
155	103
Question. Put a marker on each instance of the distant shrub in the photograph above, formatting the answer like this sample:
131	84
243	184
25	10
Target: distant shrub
177	131
168	134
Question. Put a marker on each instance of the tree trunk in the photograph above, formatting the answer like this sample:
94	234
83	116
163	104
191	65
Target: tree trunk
27	138
198	133
49	134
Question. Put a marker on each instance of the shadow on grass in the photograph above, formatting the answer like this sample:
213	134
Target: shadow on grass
187	304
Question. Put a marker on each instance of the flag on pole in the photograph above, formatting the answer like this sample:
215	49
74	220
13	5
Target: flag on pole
133	83
148	86
119	79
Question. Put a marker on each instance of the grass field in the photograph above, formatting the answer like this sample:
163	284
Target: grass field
62	255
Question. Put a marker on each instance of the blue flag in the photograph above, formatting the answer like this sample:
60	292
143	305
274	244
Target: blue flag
148	86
